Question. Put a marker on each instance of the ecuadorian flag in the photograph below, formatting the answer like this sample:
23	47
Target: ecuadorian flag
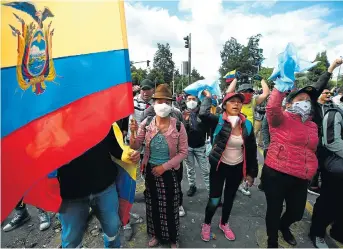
126	179
230	76
65	78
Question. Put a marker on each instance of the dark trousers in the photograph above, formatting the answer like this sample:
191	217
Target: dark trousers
264	156
232	177
277	188
179	175
329	207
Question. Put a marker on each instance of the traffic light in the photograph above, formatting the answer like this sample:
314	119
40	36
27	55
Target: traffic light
186	41
147	63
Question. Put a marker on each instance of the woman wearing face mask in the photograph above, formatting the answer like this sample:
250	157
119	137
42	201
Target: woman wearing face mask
165	148
291	160
196	132
233	157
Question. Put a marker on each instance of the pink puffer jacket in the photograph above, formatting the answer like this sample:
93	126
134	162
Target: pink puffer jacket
293	145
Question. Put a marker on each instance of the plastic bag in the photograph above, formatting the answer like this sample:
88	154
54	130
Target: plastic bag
289	63
199	86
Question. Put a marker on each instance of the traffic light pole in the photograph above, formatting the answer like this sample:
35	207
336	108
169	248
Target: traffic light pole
135	62
190	60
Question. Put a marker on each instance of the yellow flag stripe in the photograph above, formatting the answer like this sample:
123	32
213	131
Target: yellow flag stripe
79	28
125	163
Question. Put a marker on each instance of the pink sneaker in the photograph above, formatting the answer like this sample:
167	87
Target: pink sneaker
227	231
205	232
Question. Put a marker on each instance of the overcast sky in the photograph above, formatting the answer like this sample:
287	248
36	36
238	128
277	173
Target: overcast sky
313	26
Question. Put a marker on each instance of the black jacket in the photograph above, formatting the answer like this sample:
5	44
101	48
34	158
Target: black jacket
196	135
221	139
318	114
92	172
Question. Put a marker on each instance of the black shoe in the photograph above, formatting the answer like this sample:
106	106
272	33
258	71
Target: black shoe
192	190
260	187
288	236
19	219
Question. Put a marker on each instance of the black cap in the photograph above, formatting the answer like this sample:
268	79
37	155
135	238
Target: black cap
147	84
310	90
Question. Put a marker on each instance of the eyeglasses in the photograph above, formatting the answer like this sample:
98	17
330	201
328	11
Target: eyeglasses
327	93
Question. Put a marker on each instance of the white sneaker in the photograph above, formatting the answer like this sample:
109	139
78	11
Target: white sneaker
319	242
182	211
244	191
44	219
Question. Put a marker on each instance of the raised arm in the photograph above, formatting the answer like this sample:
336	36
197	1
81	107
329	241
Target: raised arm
323	80
274	110
205	112
136	142
232	87
182	153
265	92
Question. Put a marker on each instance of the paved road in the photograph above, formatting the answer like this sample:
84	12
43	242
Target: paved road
247	221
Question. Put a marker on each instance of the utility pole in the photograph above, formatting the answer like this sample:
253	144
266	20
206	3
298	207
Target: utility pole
188	44
173	83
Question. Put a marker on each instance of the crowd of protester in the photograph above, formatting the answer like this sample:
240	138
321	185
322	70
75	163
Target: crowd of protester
300	132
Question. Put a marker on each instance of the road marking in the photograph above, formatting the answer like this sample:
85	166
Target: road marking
309	207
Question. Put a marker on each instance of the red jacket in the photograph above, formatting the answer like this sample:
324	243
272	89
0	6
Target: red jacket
293	145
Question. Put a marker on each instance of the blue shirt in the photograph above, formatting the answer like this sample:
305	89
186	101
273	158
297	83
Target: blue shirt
159	150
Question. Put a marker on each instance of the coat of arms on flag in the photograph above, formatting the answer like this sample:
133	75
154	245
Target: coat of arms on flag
35	65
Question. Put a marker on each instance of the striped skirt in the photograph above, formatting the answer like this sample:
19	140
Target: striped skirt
162	198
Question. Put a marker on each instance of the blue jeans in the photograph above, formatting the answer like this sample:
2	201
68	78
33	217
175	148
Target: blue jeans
74	213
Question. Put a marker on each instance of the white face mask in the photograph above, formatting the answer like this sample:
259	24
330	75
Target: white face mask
192	104
233	120
302	108
162	110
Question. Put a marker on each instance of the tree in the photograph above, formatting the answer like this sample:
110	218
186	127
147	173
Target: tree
196	75
245	59
163	62
334	82
315	72
301	80
138	75
265	72
180	81
156	75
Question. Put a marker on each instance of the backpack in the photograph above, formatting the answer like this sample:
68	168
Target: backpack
332	162
149	119
220	124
